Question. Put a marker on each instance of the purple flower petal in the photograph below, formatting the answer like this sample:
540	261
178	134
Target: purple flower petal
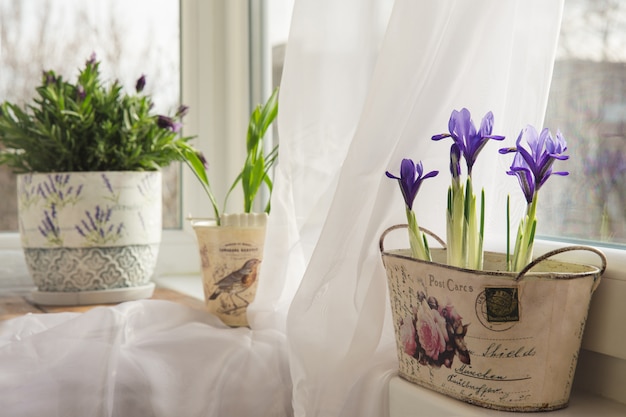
182	111
455	161
166	122
410	180
524	175
141	83
533	163
468	140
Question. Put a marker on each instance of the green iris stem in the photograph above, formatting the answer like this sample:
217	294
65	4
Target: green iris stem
524	242
419	245
474	230
456	254
508	232
481	233
465	226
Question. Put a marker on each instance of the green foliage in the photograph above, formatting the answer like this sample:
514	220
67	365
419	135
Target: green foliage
87	126
256	169
197	163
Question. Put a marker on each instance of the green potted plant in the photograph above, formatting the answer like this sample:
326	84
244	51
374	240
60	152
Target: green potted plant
88	159
231	245
499	330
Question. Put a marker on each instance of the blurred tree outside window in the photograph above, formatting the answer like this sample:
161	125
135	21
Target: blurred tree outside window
587	103
131	38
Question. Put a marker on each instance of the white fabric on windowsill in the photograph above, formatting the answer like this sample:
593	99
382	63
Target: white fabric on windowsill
142	358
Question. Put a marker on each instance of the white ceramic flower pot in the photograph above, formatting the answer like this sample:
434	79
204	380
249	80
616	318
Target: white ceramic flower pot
90	237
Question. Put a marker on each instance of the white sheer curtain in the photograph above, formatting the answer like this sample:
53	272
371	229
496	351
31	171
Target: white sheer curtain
351	108
364	86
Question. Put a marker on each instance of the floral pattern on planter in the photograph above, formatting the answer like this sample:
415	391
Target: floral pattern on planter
434	333
523	347
86	269
97	227
88	231
89	209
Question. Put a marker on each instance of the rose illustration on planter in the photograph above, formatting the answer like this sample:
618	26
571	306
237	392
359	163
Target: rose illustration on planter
434	334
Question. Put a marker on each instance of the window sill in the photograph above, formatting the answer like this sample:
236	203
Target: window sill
16	303
405	399
190	285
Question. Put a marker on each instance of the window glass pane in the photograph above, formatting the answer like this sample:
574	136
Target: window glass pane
278	24
277	29
588	104
130	38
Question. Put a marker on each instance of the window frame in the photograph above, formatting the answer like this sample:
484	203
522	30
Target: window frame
220	76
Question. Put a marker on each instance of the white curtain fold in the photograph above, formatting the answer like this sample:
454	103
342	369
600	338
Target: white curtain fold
352	108
329	61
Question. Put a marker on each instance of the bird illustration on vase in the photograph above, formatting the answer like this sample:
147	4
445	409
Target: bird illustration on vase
237	281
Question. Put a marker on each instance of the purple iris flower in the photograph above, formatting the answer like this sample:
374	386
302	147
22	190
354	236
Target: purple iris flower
410	180
468	140
533	166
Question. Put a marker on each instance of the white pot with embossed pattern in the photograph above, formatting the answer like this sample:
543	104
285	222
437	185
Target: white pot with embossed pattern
90	237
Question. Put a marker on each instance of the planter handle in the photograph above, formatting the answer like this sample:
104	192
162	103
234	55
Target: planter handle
552	253
528	267
400	226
